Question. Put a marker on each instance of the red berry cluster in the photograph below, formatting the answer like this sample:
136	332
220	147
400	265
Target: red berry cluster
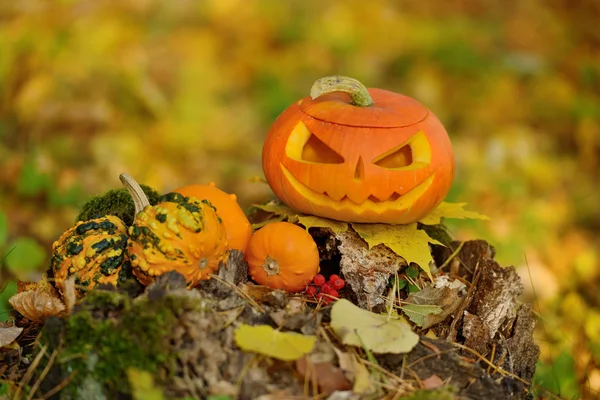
325	290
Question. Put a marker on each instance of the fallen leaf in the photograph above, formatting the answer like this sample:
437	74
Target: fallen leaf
143	386
450	210
363	384
432	382
377	333
310	221
407	241
356	372
278	209
431	305
263	339
9	335
417	312
328	377
274	218
38	303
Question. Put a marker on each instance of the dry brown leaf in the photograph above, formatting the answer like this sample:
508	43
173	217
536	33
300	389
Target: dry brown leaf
329	378
356	372
38	303
445	298
9	335
433	382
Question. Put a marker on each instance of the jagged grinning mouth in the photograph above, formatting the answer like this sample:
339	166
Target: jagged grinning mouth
402	202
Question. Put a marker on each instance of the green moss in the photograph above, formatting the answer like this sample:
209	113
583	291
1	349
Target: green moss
108	334
117	202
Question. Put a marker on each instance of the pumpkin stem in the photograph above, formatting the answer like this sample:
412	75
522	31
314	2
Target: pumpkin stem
358	92
271	266
139	197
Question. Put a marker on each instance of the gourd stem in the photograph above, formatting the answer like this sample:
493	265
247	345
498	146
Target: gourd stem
358	92
135	190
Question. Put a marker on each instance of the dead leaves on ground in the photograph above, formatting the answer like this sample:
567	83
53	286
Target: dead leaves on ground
38	301
373	332
263	339
9	334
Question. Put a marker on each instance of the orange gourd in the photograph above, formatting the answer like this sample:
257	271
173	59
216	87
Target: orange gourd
237	226
360	155
94	252
179	233
282	255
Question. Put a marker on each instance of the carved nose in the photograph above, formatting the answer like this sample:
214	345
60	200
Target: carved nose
359	170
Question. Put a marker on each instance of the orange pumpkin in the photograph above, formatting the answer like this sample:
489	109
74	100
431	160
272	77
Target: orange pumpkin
282	255
360	155
239	230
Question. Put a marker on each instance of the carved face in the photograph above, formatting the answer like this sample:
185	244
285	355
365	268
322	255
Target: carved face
391	162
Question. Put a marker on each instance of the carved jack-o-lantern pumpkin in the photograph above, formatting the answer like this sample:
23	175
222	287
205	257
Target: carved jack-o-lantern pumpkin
360	155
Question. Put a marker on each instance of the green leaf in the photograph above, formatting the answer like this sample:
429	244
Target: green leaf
27	255
6	292
412	272
377	333
407	241
265	340
413	288
450	210
417	313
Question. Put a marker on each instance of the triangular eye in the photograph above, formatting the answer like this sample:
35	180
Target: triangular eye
302	145
414	154
397	159
318	152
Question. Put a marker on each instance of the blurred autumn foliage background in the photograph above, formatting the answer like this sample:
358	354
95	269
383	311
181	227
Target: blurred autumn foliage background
178	92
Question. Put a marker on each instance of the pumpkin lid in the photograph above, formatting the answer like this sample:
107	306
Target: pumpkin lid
389	110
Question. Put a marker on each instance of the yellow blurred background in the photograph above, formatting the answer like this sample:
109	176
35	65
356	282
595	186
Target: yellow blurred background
179	92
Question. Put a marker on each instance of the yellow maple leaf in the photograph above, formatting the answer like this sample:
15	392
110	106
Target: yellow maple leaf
375	332
309	221
450	210
407	241
265	340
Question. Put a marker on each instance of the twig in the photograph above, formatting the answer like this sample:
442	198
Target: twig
59	387
45	371
238	291
451	257
458	314
29	373
488	362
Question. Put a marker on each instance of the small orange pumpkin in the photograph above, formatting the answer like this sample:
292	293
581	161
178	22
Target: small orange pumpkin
282	255
239	230
359	155
179	233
